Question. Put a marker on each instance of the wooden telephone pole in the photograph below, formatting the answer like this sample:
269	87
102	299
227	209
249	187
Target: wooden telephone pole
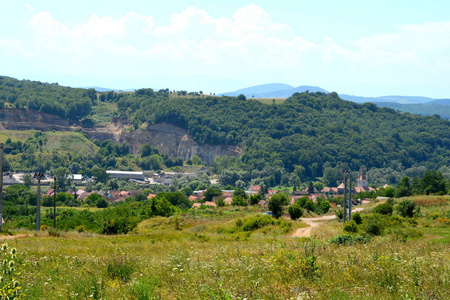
2	194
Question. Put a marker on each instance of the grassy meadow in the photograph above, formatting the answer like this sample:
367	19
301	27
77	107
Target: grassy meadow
236	253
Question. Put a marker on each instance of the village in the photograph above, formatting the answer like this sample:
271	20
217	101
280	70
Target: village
146	180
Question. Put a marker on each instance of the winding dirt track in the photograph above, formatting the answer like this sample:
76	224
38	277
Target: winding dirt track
315	222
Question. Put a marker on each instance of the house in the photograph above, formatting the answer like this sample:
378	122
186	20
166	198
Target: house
193	198
227	193
210	203
150	196
50	192
255	188
228	200
79	192
83	196
77	178
125	174
196	205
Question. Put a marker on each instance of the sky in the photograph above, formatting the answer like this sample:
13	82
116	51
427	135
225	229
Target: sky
357	47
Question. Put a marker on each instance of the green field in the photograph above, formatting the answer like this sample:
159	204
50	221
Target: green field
55	140
209	257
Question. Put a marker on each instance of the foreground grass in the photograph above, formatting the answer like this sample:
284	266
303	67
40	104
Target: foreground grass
208	258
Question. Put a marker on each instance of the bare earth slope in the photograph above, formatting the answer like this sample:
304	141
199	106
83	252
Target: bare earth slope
172	140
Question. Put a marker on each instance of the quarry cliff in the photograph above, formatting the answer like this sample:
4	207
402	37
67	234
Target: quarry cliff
172	140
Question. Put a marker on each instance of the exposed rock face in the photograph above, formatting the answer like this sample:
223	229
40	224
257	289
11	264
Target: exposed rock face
25	119
174	141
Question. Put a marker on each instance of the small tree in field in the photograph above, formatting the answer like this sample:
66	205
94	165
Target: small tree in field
406	208
295	211
276	203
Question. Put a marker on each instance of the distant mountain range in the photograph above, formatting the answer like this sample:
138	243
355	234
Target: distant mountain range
412	104
102	89
273	90
281	90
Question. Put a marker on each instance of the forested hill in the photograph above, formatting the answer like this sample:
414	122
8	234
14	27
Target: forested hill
62	101
308	132
308	129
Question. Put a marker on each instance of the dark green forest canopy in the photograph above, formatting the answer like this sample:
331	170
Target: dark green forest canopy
66	102
308	129
312	130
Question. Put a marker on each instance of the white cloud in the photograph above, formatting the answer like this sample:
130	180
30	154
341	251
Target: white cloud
248	44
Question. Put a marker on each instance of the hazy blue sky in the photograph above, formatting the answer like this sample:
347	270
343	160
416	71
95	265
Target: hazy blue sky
366	48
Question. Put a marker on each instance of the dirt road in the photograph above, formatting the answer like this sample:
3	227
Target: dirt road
315	222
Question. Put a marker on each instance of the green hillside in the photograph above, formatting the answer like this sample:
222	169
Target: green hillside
308	134
308	129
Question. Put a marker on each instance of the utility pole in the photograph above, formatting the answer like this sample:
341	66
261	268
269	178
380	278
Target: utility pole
350	203
38	175
344	203
54	204
1	185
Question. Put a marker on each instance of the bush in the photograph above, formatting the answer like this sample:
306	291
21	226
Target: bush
276	203
120	267
346	239
325	205
239	201
357	218
384	208
102	203
220	202
406	208
120	225
351	226
253	223
374	224
401	234
295	211
54	232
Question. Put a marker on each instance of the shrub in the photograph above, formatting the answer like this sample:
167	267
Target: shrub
253	223
239	201
276	203
325	205
340	214
120	267
384	208
54	232
119	225
254	199
295	211
406	208
346	239
373	224
81	228
351	226
357	218
102	203
220	202
401	234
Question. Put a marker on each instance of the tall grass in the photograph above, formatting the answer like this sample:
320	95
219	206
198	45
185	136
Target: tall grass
203	259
